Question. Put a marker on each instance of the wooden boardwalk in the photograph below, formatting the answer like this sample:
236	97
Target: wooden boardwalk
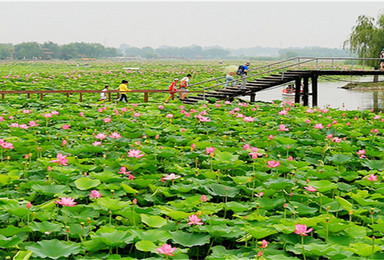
299	77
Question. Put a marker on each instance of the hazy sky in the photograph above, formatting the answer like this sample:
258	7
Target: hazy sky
230	24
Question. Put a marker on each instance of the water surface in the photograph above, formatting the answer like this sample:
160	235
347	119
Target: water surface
331	94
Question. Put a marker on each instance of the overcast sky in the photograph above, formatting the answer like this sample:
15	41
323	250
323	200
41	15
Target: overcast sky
230	24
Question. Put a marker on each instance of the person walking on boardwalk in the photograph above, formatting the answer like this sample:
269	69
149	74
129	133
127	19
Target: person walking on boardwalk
242	71
123	89
103	94
184	86
382	60
172	90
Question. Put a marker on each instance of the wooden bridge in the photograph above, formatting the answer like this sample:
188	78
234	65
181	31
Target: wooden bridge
283	72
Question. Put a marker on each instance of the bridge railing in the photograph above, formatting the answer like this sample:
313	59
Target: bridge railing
109	93
281	67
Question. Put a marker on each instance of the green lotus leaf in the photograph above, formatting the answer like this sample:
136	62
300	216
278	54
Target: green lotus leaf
190	239
373	164
260	232
115	238
51	189
319	249
223	190
225	157
145	246
340	159
9	242
94	245
344	203
363	249
128	189
53	249
45	226
86	183
279	184
11	230
22	255
303	209
153	221
323	185
237	206
112	204
154	235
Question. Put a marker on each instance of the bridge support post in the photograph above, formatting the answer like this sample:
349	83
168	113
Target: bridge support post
297	90
252	97
314	90
305	91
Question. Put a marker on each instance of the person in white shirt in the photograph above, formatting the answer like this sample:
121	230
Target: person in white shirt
184	86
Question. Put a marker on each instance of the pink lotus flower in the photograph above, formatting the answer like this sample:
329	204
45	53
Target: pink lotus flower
101	136
67	202
273	164
32	123
259	195
47	115
95	194
81	114
330	136
61	159
310	188
270	137
27	111
6	145
66	127
203	118
107	120
308	121
29	205
302	230
194	220
318	126
64	142
310	110
375	131
171	177
204	198
246	147
283	128
96	143
209	150
254	153
115	135
372	177
166	250
123	170
137	114
264	244
361	154
14	125
336	139
248	119
135	153
193	146
161	107
169	116
55	113
283	112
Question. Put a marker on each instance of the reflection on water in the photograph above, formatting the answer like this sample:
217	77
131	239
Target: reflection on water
330	94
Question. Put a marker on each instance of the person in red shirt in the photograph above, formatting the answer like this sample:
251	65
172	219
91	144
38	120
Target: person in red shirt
172	90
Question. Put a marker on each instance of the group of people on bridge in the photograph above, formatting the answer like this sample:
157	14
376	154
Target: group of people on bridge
183	85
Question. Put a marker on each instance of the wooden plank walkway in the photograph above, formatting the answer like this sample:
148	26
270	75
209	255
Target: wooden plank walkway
296	76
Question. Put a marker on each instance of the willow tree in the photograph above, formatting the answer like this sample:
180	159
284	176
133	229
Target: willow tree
367	38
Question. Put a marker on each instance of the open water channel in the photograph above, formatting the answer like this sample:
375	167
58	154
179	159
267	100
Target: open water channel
331	94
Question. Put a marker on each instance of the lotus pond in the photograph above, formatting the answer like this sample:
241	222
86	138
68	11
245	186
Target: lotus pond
228	180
